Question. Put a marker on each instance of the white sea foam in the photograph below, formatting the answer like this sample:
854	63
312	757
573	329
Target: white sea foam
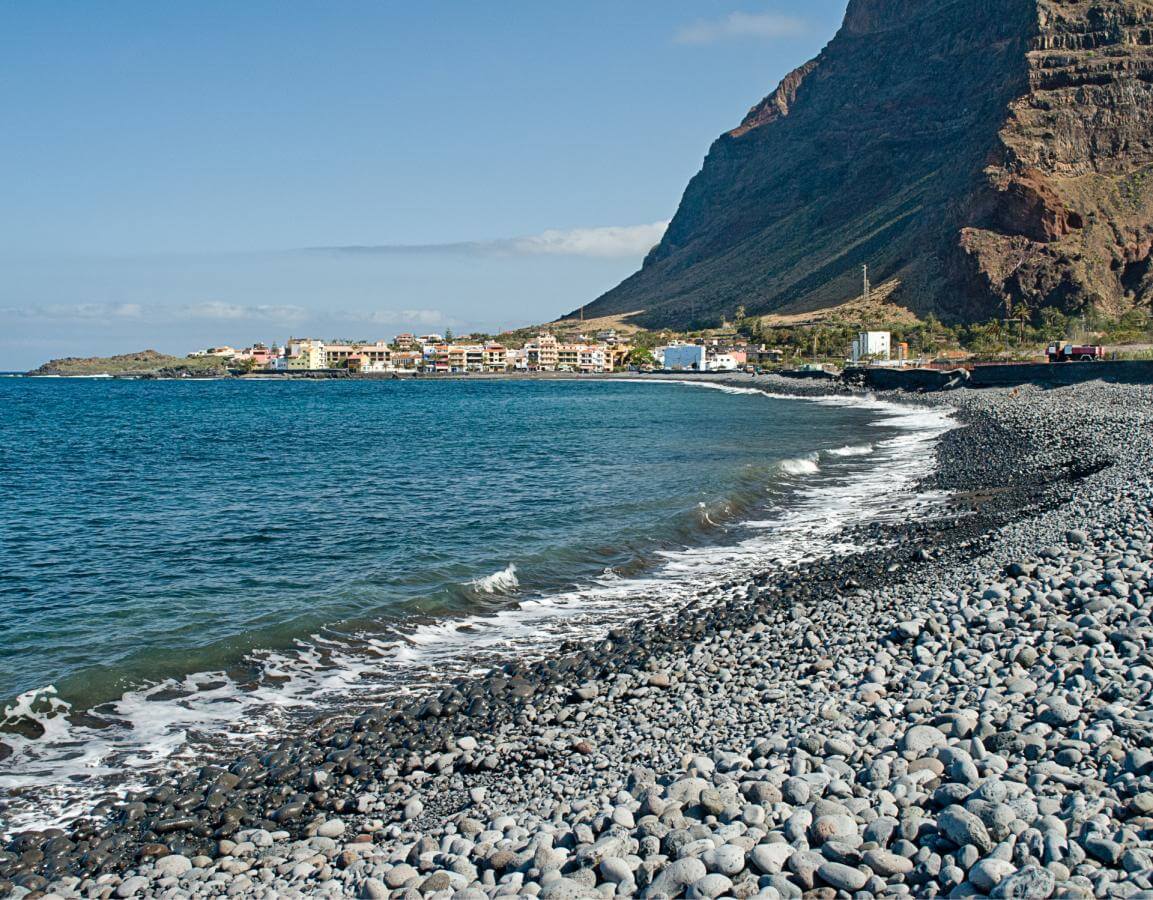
183	721
502	582
804	465
861	450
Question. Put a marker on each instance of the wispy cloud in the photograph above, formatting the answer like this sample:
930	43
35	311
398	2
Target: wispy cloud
267	312
612	241
740	25
427	317
118	312
80	311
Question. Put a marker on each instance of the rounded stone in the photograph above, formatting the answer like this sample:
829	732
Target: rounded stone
1029	883
172	866
921	738
830	827
770	859
886	863
728	859
615	870
842	877
990	872
332	828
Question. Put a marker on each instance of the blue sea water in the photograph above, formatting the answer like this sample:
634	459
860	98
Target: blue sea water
189	565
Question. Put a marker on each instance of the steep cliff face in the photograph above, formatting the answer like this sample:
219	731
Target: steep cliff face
987	153
1063	214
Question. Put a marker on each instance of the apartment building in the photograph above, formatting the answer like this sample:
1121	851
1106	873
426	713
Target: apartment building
466	358
542	354
305	353
407	360
371	358
336	355
495	358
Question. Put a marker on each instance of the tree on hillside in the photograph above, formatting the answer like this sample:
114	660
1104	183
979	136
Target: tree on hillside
641	356
1054	323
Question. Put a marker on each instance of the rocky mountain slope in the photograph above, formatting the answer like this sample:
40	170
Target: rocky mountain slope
992	155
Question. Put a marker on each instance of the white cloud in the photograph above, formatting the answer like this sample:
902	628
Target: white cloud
84	311
738	25
216	310
159	313
403	317
610	241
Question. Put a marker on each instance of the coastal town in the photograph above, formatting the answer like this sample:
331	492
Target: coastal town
438	354
877	339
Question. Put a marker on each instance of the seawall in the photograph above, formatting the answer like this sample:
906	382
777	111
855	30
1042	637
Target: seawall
1008	375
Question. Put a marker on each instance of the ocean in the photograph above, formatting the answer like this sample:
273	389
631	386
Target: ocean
187	567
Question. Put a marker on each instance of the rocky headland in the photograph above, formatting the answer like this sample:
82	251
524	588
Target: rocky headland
959	709
146	363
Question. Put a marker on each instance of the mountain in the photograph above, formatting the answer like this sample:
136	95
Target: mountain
990	155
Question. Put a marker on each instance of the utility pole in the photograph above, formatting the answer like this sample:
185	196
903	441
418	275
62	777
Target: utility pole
865	282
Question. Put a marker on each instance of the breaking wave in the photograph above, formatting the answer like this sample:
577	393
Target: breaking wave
804	465
502	582
862	450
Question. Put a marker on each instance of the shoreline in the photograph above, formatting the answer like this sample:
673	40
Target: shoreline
792	527
873	378
442	788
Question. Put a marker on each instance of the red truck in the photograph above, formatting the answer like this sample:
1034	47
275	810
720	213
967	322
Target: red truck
1064	351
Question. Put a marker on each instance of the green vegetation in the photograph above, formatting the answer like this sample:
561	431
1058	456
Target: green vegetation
641	357
143	363
929	337
1132	188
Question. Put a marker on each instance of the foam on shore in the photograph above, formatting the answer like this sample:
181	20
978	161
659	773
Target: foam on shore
181	722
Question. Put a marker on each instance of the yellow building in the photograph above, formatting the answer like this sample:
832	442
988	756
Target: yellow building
306	353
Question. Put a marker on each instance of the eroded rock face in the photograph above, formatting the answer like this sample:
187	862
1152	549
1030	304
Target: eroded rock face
1070	221
989	154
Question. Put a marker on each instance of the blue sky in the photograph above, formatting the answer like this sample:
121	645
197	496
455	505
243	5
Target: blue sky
172	168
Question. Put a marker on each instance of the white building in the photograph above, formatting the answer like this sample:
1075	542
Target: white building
871	345
684	356
222	352
724	362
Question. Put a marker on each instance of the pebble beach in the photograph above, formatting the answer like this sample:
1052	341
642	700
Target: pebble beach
960	709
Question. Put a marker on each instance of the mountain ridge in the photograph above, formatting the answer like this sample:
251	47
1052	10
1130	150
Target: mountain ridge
995	168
